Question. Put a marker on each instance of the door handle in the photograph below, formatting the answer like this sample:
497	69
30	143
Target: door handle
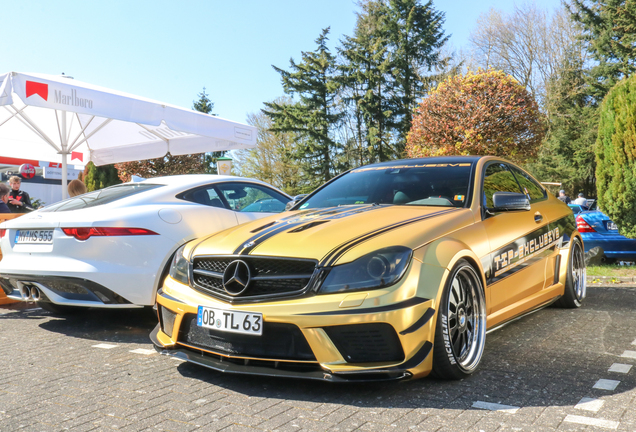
538	217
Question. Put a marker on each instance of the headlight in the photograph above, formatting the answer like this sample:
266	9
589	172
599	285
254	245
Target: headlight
375	270
180	268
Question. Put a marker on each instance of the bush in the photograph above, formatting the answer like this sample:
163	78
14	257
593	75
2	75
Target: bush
616	156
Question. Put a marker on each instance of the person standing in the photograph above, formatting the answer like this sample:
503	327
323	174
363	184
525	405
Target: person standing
581	200
19	201
4	198
563	197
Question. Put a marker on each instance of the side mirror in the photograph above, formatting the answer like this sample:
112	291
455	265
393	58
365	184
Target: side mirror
295	200
509	201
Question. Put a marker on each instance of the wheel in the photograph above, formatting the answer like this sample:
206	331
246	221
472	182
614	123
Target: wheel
575	283
460	333
58	309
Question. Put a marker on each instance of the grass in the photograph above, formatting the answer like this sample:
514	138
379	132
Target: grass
612	270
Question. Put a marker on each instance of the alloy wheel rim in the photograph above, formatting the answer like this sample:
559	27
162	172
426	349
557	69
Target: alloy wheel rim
466	318
579	272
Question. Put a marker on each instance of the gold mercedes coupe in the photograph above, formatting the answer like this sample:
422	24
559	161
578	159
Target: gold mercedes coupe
389	271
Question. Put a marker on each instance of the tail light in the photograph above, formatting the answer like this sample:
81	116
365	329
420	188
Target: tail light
87	232
583	226
2	232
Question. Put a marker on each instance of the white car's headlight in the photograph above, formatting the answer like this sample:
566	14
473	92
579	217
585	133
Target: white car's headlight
378	269
180	268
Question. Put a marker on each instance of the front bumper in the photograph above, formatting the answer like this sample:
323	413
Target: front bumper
380	337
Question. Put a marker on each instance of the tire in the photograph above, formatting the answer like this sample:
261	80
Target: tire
460	332
59	309
575	283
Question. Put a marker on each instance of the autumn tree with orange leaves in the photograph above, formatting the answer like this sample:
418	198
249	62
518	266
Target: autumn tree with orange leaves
480	113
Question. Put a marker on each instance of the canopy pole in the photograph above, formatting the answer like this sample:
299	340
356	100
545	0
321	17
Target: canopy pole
64	152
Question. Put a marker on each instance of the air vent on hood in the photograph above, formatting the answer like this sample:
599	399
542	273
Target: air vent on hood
307	226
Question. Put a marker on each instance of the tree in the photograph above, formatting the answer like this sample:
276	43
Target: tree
366	71
205	105
567	154
167	165
529	43
482	113
609	30
615	156
313	118
273	160
415	35
99	177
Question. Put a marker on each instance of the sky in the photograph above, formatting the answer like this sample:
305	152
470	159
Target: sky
170	50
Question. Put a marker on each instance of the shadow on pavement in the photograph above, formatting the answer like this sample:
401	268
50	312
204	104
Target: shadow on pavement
550	358
116	325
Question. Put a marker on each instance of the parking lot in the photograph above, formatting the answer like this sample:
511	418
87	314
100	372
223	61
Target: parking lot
553	370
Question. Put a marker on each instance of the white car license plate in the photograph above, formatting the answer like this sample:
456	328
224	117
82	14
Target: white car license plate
34	236
612	226
230	321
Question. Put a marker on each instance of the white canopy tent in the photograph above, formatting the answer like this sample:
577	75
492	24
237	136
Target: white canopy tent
54	118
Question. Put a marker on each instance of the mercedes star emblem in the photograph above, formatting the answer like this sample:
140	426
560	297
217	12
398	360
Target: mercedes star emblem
236	277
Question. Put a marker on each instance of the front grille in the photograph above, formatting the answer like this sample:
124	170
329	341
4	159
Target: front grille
270	277
278	341
364	343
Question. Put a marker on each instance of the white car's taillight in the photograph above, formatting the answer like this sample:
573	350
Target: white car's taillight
85	232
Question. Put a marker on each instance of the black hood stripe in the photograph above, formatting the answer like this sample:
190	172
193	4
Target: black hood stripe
296	220
343	248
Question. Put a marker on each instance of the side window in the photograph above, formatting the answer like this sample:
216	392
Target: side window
498	178
530	187
247	197
207	196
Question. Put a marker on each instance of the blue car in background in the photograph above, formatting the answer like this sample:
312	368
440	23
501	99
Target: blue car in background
577	208
598	231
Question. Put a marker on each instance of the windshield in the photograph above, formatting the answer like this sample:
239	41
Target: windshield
100	197
444	185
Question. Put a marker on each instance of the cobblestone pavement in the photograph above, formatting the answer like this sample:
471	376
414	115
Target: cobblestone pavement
556	369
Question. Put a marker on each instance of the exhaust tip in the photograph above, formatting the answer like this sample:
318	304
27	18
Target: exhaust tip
25	292
35	293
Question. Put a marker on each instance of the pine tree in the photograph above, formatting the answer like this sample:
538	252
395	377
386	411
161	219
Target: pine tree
273	160
615	162
205	105
416	36
609	29
313	117
365	73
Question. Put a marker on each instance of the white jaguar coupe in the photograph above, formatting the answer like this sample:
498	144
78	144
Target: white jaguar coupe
111	248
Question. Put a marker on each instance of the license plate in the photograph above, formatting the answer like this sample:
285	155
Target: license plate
34	236
612	226
230	321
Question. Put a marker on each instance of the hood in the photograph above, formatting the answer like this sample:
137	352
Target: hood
337	234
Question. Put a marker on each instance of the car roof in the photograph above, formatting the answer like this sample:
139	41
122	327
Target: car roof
429	160
194	180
